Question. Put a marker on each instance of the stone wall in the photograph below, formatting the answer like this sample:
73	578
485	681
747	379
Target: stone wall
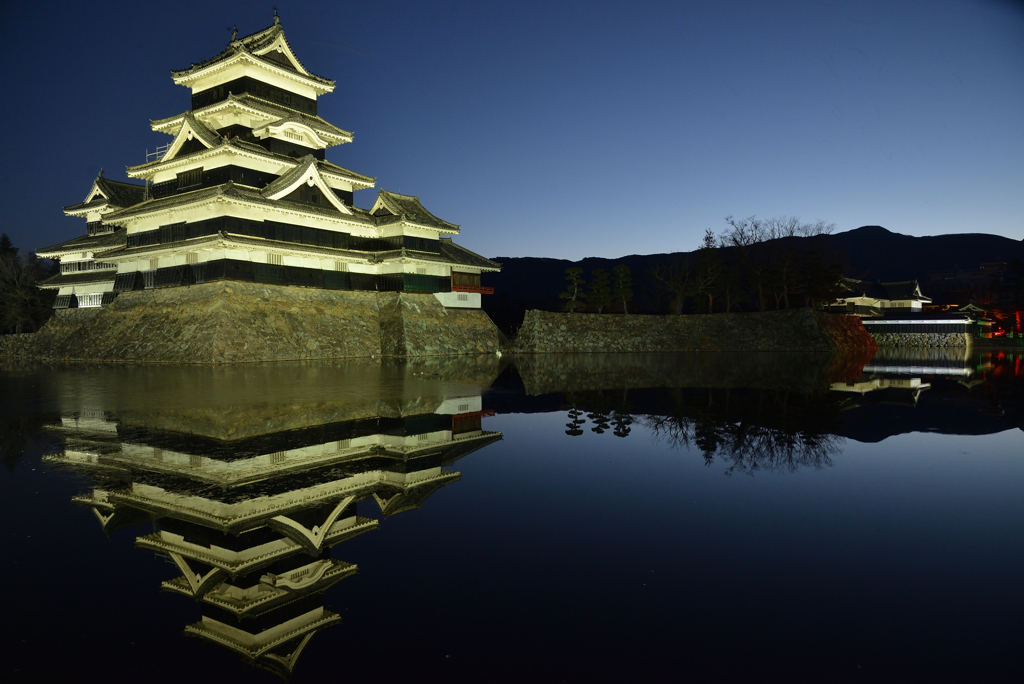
922	339
788	330
232	322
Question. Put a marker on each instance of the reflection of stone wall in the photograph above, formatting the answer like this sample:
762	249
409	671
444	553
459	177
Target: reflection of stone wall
922	339
240	401
789	330
959	355
228	322
795	371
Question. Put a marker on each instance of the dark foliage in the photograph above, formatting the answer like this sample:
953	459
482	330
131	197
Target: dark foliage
24	307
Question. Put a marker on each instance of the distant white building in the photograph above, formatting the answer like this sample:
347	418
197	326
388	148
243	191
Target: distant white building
868	299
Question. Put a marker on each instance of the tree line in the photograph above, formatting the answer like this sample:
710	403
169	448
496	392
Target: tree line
23	306
605	292
753	265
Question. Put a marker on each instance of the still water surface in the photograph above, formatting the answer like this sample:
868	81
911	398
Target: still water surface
553	518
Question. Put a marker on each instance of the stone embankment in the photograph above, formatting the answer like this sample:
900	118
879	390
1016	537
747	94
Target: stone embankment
231	322
788	330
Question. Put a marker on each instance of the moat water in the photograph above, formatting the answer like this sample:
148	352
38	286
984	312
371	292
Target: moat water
789	517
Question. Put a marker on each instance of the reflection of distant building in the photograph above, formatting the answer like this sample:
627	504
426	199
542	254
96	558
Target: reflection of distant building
903	391
249	522
874	384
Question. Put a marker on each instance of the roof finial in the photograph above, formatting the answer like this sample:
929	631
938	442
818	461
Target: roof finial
277	20
101	172
234	33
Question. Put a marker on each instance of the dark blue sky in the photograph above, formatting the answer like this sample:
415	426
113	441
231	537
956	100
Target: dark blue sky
567	129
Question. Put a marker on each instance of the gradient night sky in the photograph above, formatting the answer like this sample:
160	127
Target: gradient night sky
566	129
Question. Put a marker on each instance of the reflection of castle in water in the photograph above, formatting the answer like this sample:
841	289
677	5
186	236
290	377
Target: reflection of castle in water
249	522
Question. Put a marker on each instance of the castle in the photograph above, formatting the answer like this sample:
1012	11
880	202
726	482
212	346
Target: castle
244	194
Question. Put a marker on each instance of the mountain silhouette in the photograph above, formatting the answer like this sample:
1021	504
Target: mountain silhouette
868	252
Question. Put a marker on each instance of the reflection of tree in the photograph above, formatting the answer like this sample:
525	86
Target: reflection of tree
751	429
755	429
601	422
621	421
606	411
600	407
575	421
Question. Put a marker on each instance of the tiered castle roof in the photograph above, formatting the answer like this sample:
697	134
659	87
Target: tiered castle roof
268	49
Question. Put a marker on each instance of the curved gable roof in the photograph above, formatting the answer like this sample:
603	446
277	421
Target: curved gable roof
306	172
410	210
106	193
272	111
260	46
191	128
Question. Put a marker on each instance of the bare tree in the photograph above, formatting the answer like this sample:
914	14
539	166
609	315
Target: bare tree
744	236
676	279
768	255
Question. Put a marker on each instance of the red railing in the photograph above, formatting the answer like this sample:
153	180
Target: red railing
473	288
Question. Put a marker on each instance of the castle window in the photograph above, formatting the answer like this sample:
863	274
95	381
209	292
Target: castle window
190	179
90	300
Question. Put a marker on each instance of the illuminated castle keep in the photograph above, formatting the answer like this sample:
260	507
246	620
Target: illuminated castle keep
244	193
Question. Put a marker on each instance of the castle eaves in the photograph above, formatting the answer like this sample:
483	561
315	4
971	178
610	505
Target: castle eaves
259	105
253	44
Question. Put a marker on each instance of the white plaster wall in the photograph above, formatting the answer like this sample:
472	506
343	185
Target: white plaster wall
91	288
461	405
454	300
